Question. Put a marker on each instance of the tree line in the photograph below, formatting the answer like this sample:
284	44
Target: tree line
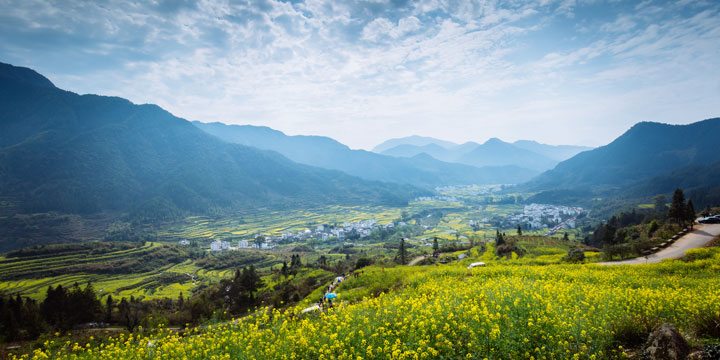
632	232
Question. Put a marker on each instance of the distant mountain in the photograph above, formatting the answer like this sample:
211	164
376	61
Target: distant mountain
327	153
496	152
64	152
412	140
555	152
646	150
433	150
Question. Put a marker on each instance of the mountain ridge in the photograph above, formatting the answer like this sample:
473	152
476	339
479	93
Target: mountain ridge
647	149
60	151
330	154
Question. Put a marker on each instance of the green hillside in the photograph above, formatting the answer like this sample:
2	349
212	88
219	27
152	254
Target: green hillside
646	150
88	154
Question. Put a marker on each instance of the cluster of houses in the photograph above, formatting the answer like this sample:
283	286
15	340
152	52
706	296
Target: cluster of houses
361	229
471	190
324	232
222	245
438	198
539	216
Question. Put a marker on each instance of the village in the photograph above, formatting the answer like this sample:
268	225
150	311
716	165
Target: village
322	233
540	216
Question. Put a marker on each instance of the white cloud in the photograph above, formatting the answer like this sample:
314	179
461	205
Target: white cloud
364	71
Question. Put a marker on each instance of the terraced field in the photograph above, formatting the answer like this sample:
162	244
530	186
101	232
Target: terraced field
273	222
164	269
161	275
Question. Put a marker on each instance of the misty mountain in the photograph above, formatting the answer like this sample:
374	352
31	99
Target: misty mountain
412	140
646	150
434	150
60	151
494	152
555	152
327	153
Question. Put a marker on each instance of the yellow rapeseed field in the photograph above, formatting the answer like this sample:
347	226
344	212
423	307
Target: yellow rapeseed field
503	311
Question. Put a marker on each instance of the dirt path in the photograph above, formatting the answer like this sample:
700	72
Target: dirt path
417	260
699	237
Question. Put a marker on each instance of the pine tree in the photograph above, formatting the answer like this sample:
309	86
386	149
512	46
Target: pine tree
519	231
678	209
566	237
436	246
108	309
284	269
660	203
402	252
499	239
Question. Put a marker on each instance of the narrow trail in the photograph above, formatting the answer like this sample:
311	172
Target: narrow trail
417	260
699	237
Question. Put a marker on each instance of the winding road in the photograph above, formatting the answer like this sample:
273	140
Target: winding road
699	237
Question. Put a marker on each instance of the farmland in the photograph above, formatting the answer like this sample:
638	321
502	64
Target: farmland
179	272
509	309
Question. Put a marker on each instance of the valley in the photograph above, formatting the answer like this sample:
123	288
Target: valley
362	180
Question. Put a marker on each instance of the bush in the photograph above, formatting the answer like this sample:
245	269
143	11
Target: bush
575	255
362	262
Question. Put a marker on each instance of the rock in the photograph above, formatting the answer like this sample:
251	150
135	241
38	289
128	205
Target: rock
666	343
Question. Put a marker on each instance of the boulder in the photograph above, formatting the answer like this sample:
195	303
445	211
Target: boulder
666	343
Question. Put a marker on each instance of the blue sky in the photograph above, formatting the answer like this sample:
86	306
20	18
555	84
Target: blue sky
556	71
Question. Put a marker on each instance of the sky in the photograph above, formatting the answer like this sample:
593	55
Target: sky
575	72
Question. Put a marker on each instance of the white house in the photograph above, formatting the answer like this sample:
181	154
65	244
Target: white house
216	245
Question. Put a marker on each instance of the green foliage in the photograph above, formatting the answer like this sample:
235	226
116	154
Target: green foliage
575	255
678	210
236	259
402	253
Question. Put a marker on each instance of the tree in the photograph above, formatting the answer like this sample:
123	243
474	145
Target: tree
250	281
660	203
259	240
130	313
499	240
284	269
690	213
436	246
108	309
609	234
575	255
566	237
402	252
706	212
362	262
678	209
519	231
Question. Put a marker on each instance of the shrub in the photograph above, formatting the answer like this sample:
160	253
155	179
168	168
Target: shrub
575	255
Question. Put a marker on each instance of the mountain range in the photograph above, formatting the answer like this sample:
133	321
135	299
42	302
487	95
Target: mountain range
60	151
88	154
494	152
420	169
646	150
648	159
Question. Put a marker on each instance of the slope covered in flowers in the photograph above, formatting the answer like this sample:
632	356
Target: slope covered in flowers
502	311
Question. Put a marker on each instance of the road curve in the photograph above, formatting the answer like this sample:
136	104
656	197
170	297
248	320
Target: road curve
700	236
